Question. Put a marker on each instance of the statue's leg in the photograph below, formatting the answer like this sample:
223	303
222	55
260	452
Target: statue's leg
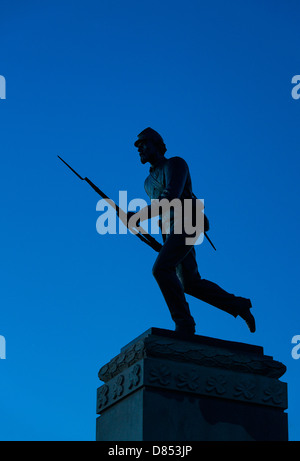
211	293
172	253
207	291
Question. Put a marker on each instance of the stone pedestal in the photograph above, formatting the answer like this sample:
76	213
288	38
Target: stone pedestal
161	388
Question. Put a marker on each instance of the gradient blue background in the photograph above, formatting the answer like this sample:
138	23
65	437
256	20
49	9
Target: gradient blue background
83	79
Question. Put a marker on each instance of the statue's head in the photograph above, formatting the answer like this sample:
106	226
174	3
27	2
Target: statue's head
150	145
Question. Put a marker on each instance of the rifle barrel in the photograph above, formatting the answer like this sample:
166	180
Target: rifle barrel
145	237
80	177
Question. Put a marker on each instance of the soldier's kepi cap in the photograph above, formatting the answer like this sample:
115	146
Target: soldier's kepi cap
149	133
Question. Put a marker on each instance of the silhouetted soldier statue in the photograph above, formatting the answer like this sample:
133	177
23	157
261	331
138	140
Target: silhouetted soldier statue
175	268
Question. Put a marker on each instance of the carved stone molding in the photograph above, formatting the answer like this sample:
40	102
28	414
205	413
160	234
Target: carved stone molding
120	386
208	355
193	379
215	382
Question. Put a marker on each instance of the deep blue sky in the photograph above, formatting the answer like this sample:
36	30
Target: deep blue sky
83	79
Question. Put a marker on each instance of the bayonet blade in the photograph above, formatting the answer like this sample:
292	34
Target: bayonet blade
80	177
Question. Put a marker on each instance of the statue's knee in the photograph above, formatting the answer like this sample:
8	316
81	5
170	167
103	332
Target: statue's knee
161	270
155	271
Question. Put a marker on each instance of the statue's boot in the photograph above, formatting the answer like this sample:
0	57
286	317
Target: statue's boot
185	330
246	315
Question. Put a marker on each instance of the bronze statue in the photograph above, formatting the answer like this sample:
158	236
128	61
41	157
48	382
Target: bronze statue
175	268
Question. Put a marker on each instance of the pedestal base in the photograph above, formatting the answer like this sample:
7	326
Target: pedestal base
161	388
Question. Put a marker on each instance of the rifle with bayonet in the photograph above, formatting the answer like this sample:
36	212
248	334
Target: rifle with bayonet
144	237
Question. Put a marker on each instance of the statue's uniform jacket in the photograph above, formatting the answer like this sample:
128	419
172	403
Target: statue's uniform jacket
170	179
173	180
175	268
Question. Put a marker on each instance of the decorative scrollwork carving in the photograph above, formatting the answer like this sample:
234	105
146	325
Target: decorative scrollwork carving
134	376
118	387
160	374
